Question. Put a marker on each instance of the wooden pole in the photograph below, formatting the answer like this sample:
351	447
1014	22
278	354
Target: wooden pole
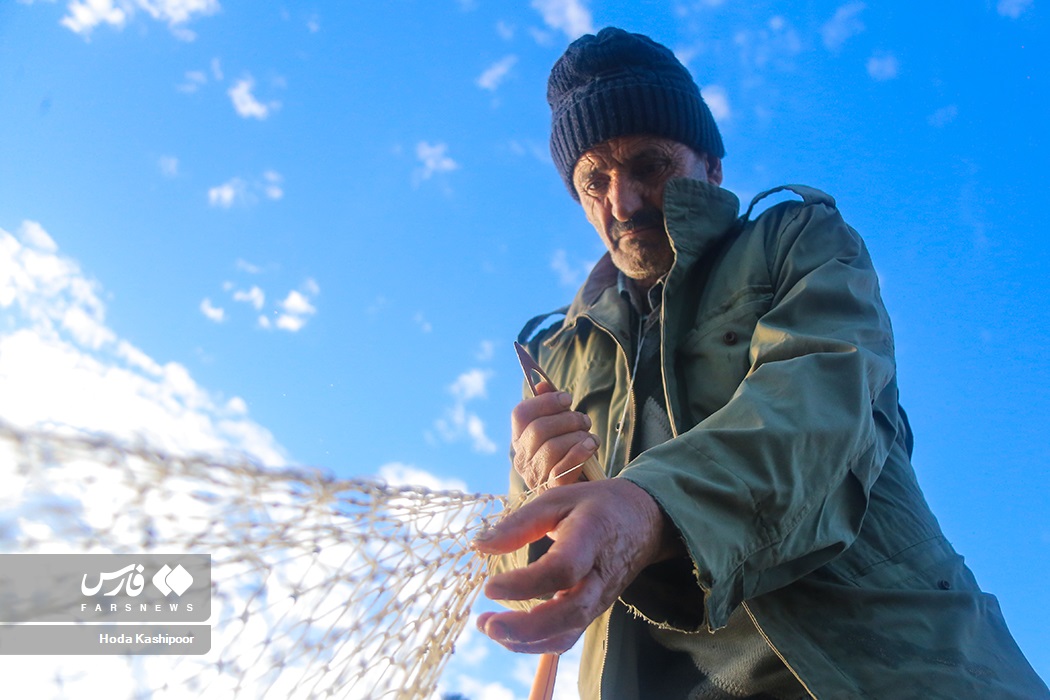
546	672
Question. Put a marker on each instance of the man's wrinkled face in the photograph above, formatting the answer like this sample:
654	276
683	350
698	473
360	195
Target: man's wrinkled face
621	187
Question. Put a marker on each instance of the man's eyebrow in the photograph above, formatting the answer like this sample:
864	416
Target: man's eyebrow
587	172
650	152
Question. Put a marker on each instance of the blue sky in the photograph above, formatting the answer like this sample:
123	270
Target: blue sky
311	230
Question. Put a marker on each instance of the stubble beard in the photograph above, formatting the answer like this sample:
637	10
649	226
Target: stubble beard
642	248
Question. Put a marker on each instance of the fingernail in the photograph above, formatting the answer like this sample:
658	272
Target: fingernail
590	443
564	398
485	535
586	421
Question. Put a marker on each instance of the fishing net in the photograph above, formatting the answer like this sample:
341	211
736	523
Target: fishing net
321	587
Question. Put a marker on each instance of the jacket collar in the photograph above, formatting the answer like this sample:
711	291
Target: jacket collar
696	214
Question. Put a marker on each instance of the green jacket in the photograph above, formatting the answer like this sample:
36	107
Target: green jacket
789	475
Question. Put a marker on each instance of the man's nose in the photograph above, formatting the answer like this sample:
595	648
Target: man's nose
625	198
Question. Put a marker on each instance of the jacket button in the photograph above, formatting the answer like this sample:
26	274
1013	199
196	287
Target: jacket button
729	337
944	585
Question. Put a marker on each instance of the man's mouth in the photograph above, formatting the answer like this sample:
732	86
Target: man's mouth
644	222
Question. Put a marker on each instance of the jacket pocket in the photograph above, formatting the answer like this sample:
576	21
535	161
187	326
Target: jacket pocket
715	356
928	565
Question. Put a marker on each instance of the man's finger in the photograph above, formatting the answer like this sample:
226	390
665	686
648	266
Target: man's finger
546	404
550	627
553	645
565	471
570	611
527	524
530	522
554	457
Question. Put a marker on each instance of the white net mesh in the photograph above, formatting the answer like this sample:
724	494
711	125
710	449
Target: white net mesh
321	587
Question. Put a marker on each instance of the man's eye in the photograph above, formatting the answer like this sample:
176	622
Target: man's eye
596	186
649	169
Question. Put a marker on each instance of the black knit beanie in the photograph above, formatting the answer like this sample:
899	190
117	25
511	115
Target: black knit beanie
621	84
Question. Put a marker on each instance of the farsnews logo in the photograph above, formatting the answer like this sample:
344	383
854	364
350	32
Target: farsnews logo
129	578
169	580
131	581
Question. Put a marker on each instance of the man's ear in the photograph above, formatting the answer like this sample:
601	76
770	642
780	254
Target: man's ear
714	170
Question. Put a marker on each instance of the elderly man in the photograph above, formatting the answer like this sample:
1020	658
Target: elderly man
762	534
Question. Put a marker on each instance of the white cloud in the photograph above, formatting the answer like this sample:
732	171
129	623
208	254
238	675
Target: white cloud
491	78
237	406
1013	8
775	44
213	313
400	474
178	11
569	274
254	296
34	236
238	191
296	303
60	364
377	306
216	69
539	151
194	80
460	423
943	116
883	66
718	101
470	385
843	26
434	159
85	15
248	267
541	37
313	24
296	309
235	191
245	103
505	30
486	350
168	165
272	185
479	440
686	54
421	321
287	322
473	688
568	16
523	672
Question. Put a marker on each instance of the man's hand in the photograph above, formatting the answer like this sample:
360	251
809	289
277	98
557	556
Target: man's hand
548	439
604	534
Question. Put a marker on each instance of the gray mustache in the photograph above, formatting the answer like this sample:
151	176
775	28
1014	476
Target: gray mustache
644	218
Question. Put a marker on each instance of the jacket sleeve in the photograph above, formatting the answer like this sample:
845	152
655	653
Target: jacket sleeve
775	483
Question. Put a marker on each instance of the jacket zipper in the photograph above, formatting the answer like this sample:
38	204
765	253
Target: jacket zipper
776	651
605	653
629	404
632	401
